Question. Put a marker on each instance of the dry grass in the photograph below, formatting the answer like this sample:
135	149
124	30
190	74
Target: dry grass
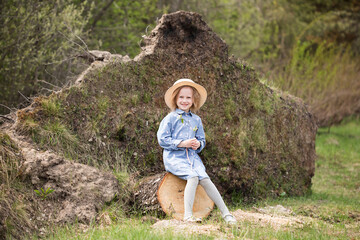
15	207
327	78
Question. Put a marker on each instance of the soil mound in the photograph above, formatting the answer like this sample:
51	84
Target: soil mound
260	142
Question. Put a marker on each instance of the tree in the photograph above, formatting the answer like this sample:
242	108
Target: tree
39	41
117	26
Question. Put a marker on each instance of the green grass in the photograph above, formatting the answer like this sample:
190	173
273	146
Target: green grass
333	205
127	229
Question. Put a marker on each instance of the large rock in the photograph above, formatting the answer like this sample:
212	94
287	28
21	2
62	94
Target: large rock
260	141
79	191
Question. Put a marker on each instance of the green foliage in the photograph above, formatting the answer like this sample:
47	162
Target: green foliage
57	133
259	31
331	211
230	108
135	99
10	160
103	104
14	193
34	52
318	70
269	34
339	152
52	133
44	193
119	27
261	100
258	135
51	106
128	229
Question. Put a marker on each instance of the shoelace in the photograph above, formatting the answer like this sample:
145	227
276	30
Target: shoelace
187	155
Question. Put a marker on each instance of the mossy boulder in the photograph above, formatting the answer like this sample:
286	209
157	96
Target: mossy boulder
260	141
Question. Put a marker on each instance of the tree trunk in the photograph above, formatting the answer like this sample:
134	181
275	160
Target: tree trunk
165	192
145	193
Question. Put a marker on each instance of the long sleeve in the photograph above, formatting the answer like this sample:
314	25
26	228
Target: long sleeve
200	136
164	135
180	126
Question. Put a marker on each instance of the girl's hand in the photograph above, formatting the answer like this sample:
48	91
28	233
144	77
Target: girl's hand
190	143
195	144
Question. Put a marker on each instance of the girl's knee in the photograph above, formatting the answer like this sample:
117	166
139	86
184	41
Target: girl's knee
205	181
194	180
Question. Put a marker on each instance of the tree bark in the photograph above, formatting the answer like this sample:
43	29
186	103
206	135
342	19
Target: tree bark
145	194
164	192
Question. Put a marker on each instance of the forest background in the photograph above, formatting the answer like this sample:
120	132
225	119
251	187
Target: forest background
309	48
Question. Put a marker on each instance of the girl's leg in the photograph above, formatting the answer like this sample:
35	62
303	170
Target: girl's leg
214	195
189	196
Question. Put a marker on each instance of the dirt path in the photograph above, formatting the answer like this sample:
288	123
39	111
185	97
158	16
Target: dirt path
276	217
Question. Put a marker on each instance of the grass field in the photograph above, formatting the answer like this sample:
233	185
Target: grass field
331	211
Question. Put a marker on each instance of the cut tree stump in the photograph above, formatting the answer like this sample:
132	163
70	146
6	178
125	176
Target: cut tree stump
171	198
165	192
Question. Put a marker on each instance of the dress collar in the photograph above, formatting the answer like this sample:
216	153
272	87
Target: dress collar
182	112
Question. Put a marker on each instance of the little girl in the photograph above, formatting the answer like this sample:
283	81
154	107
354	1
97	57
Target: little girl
182	136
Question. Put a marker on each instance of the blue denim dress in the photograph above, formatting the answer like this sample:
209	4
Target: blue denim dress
174	128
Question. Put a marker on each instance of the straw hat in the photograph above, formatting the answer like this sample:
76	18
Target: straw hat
169	95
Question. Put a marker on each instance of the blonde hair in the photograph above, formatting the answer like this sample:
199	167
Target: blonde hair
196	98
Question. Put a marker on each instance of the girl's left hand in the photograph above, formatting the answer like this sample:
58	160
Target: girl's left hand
195	144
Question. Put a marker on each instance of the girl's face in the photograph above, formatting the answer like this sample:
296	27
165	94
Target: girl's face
185	99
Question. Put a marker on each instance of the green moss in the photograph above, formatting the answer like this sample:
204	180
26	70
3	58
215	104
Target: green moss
240	148
134	99
258	134
241	143
126	105
51	106
120	132
261	168
151	158
212	152
230	108
10	159
15	195
146	97
255	98
283	168
272	182
30	126
223	174
103	104
56	133
262	101
259	188
53	134
5	140
91	128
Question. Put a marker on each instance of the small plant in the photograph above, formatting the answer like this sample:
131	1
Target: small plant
51	106
44	193
181	118
135	99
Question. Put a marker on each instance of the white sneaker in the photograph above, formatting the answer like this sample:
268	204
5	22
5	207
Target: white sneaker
192	219
229	219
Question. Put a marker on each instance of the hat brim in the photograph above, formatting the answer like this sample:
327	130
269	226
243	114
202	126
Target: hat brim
169	93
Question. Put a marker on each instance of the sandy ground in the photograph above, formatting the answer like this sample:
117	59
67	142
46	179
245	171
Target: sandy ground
277	217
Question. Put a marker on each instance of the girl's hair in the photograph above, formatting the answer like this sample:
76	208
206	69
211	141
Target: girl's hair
196	98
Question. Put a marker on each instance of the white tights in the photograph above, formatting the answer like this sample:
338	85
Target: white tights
210	189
